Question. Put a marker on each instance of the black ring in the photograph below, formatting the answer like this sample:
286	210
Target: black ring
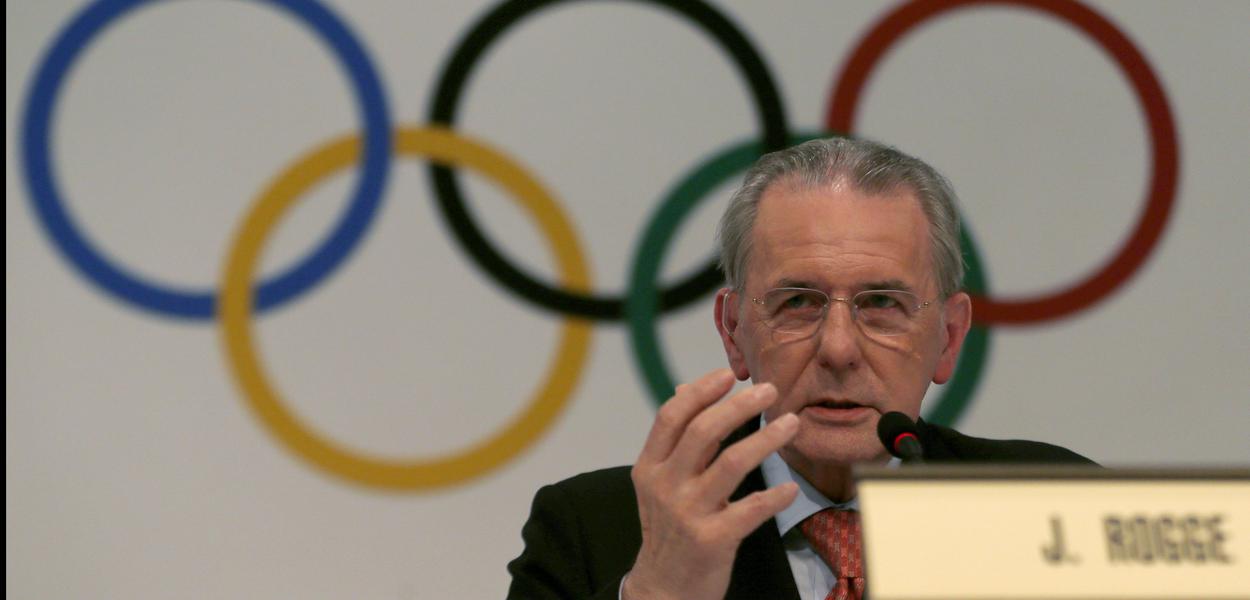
451	203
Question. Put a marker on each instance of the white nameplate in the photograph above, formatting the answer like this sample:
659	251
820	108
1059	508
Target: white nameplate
934	532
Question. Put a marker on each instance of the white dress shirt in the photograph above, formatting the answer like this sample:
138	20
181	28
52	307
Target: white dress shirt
812	576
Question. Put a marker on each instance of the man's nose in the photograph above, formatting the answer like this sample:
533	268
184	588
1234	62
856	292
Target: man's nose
840	337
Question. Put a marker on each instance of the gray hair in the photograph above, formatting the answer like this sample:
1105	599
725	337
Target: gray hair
869	167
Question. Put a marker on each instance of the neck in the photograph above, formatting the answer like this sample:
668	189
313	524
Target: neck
833	480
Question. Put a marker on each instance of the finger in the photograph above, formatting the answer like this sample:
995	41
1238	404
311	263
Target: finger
672	418
702	437
742	517
727	471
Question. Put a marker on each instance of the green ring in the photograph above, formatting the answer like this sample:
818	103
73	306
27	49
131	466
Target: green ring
642	302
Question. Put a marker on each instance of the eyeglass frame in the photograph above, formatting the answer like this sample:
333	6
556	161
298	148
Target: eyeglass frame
824	314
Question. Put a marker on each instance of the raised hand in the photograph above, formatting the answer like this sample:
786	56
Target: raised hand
690	530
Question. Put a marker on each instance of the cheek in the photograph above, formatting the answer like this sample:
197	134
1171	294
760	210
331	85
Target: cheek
906	373
920	352
896	367
782	363
783	366
926	356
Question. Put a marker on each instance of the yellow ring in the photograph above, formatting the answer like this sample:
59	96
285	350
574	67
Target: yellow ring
445	147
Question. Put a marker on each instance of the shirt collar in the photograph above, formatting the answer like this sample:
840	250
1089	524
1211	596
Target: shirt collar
809	501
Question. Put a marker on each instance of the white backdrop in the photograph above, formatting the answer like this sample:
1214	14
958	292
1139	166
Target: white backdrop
136	469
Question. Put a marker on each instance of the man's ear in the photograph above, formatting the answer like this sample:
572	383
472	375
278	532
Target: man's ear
727	325
957	313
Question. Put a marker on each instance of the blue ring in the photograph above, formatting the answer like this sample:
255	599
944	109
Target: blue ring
167	300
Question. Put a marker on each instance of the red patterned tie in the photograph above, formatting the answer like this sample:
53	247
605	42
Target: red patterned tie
835	535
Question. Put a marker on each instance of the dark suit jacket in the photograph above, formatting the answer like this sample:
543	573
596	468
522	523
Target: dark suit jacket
583	533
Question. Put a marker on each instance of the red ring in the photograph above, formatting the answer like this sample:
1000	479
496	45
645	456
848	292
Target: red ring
1166	152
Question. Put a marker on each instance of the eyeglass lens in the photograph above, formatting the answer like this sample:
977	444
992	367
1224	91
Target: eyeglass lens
798	310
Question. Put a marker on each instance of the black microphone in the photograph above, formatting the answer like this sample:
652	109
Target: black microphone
898	433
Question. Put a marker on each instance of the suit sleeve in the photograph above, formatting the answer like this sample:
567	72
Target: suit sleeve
554	563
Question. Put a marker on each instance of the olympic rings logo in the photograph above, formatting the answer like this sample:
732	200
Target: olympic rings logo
239	296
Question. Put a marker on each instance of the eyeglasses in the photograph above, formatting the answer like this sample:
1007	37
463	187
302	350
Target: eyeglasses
800	311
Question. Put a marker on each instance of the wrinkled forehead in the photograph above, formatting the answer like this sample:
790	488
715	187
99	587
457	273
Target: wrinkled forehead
836	235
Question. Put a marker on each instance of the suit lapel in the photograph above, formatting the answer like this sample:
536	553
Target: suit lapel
935	449
761	569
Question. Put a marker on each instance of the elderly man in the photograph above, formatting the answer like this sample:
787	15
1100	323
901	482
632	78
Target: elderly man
844	271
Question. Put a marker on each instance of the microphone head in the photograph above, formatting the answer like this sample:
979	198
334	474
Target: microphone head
891	427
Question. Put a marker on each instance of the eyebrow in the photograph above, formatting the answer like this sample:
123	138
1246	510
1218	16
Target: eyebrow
884	284
794	283
888	284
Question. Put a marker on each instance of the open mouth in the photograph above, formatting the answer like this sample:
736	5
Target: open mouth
838	404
